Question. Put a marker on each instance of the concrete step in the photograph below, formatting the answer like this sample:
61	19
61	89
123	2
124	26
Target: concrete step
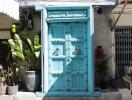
111	96
69	98
25	96
126	94
125	91
7	97
121	95
126	97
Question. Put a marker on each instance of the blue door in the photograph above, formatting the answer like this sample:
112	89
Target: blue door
67	51
67	57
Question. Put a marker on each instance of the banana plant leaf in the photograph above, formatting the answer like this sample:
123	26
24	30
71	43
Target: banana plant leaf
33	52
30	44
16	47
35	46
18	41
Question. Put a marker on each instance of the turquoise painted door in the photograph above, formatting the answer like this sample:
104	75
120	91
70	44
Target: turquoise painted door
67	57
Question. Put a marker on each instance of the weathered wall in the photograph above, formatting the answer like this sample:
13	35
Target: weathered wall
103	36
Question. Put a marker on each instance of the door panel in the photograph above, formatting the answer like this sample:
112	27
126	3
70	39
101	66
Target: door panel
77	31
78	73
78	82
57	66
58	49
58	83
57	30
77	48
57	77
77	65
67	57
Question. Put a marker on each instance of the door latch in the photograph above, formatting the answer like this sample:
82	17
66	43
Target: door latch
77	51
56	52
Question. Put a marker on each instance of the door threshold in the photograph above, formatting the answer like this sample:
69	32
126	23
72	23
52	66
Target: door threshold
58	94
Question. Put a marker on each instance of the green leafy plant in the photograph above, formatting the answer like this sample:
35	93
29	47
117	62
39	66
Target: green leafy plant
101	71
101	66
16	47
16	58
3	76
32	52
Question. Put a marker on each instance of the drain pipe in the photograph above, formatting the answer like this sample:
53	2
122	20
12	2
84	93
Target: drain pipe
113	27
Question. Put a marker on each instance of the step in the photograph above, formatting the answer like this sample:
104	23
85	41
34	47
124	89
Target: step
121	95
26	96
111	96
125	91
126	97
7	97
69	98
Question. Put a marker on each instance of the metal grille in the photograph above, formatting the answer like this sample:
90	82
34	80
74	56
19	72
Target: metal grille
123	42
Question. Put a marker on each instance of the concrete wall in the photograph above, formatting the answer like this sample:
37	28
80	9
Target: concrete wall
104	37
5	23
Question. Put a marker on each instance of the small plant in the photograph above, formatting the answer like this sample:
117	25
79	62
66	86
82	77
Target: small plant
2	76
102	66
17	58
101	70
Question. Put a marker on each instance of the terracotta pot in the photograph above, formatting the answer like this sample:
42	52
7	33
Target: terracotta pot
3	90
12	89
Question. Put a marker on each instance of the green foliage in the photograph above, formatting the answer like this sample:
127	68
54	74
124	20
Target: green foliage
3	75
16	47
101	66
15	58
32	52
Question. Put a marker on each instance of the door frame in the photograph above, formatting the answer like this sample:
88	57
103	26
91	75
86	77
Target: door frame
44	50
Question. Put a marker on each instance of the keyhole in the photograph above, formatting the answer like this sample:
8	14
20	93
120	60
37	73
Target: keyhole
68	60
57	49
77	51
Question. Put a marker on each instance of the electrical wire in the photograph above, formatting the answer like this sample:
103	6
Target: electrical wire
112	29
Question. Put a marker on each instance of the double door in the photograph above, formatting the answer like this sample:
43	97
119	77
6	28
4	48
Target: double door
67	57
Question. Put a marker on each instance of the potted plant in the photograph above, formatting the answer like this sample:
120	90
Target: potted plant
17	56
101	70
3	85
12	87
32	53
